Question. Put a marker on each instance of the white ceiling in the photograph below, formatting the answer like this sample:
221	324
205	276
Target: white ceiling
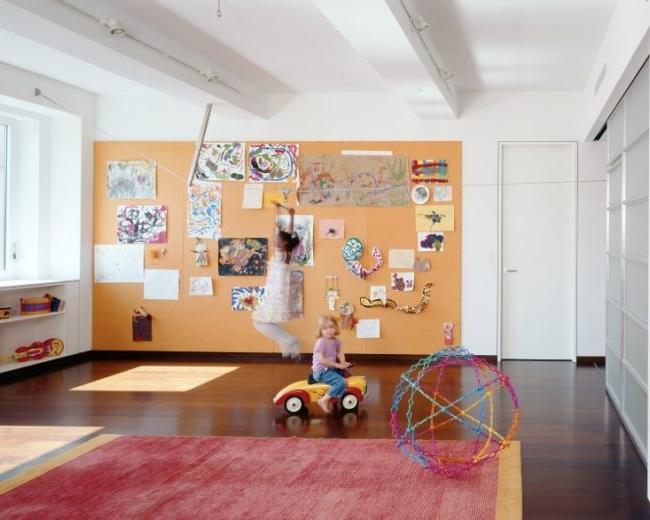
298	46
518	44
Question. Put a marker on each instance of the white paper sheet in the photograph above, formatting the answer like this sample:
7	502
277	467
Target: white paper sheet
368	329
161	284
119	263
378	292
201	286
253	196
401	258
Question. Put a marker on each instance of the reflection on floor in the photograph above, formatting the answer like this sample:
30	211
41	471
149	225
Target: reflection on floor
21	444
157	379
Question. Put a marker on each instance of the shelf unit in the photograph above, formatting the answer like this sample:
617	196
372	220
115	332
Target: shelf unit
19	330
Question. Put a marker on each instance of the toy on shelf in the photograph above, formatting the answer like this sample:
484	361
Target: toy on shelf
5	312
51	347
296	396
424	404
32	306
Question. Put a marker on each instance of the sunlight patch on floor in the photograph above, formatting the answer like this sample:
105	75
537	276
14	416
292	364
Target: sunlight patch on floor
155	378
20	444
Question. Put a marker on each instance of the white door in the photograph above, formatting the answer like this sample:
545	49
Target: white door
538	250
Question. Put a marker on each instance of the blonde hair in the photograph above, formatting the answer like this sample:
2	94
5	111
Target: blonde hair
326	319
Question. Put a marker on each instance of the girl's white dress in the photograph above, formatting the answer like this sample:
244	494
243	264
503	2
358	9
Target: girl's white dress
275	308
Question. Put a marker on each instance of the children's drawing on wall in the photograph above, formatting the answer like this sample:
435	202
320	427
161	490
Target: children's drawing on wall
200	286
246	298
131	179
303	253
420	194
142	224
429	170
272	162
220	162
204	211
119	263
349	180
422	265
434	218
296	290
332	229
442	194
431	242
402	281
200	253
242	256
279	305
378	292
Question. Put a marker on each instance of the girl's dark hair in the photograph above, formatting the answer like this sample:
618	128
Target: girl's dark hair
290	240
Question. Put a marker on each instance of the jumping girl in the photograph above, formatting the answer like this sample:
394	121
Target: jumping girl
275	307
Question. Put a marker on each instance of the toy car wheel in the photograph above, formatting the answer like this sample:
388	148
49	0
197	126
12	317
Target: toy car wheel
294	404
349	402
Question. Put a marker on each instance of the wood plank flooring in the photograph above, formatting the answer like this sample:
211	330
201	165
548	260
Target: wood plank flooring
577	459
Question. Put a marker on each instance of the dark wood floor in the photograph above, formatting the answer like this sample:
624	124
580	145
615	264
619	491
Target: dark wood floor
577	460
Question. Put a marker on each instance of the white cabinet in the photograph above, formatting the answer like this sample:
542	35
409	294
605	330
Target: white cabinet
18	330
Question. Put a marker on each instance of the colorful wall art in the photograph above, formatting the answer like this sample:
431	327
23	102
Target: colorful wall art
272	162
303	226
220	162
434	218
331	228
350	180
200	286
142	224
429	170
246	298
442	193
243	256
204	211
131	179
402	281
431	242
296	291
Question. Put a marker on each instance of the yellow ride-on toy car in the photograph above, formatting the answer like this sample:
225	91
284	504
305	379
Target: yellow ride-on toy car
296	396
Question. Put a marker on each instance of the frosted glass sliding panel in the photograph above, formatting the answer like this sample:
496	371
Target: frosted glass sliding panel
615	280
636	289
615	185
613	373
636	165
636	348
615	133
636	102
636	230
636	409
613	326
614	246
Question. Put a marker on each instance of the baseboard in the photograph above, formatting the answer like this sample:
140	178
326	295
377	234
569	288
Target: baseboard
210	357
44	367
590	361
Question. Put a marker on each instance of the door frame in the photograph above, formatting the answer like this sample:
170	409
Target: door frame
574	301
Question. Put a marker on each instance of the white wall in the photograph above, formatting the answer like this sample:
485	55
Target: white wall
64	187
486	119
625	47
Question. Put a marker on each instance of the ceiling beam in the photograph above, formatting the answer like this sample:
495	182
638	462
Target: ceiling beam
98	33
383	32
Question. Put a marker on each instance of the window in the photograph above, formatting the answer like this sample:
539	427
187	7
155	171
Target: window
4	167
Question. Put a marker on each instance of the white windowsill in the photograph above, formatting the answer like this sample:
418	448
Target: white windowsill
9	285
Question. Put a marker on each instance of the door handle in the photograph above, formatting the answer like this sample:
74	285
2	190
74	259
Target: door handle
511	270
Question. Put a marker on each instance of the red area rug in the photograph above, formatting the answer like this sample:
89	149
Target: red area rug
258	478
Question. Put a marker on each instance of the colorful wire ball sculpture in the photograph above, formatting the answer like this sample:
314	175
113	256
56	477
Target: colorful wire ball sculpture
429	409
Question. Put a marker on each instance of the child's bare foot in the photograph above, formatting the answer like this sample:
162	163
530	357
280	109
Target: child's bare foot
324	403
